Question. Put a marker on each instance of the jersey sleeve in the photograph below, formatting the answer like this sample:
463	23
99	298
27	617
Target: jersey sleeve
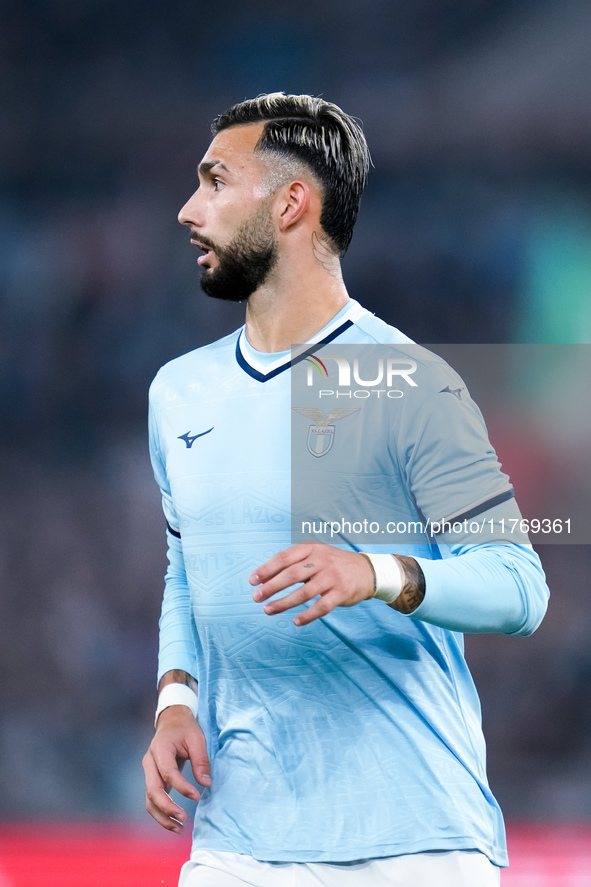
486	580
450	465
176	642
159	469
484	588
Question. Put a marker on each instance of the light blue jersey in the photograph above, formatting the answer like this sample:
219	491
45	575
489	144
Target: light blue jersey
358	735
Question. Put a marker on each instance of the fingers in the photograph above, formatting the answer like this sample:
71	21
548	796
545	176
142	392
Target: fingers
301	595
159	804
280	562
341	578
327	602
172	777
200	766
178	738
291	567
293	575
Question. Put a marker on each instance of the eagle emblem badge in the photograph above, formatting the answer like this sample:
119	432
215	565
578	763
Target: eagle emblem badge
321	433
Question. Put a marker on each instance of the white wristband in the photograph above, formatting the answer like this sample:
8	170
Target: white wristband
388	575
176	694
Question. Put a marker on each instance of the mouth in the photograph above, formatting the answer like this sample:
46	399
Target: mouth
207	251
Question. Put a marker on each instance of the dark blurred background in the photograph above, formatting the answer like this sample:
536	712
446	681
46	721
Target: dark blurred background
475	228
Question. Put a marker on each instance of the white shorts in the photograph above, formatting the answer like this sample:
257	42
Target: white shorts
453	868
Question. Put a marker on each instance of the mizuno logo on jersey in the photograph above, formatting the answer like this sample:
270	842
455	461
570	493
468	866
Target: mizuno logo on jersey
321	435
457	392
190	439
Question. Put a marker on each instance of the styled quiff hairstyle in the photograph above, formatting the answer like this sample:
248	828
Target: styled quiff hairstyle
319	135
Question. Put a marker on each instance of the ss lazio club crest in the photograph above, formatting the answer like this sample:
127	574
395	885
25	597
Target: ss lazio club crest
321	434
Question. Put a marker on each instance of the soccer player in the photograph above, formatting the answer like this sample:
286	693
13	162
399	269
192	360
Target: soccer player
336	739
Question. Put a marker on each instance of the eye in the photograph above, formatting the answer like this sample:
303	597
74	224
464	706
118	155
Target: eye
218	184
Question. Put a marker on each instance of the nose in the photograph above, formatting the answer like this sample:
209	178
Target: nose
191	213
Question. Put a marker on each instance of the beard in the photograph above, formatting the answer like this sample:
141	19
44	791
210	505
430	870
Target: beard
245	263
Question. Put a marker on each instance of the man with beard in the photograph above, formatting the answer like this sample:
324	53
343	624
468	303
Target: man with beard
337	736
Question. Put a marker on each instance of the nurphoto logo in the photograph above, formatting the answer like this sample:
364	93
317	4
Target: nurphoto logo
388	371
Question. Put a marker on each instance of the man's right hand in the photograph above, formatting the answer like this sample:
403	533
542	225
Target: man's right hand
178	738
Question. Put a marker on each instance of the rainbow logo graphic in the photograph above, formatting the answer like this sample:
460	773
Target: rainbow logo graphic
316	362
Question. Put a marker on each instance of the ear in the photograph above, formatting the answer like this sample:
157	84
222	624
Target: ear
294	202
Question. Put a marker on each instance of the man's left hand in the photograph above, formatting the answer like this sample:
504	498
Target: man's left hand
341	578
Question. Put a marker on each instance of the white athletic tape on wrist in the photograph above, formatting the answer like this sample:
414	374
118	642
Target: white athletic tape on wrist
389	576
176	694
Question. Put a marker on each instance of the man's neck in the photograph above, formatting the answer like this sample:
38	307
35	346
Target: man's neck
291	310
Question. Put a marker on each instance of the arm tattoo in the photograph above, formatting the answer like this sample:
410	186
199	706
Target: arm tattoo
413	590
176	676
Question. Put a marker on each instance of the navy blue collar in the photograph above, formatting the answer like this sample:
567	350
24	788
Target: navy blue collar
289	360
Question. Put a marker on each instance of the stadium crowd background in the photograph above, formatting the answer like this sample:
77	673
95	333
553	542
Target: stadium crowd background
475	228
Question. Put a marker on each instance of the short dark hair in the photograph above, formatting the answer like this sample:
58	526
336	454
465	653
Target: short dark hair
320	135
